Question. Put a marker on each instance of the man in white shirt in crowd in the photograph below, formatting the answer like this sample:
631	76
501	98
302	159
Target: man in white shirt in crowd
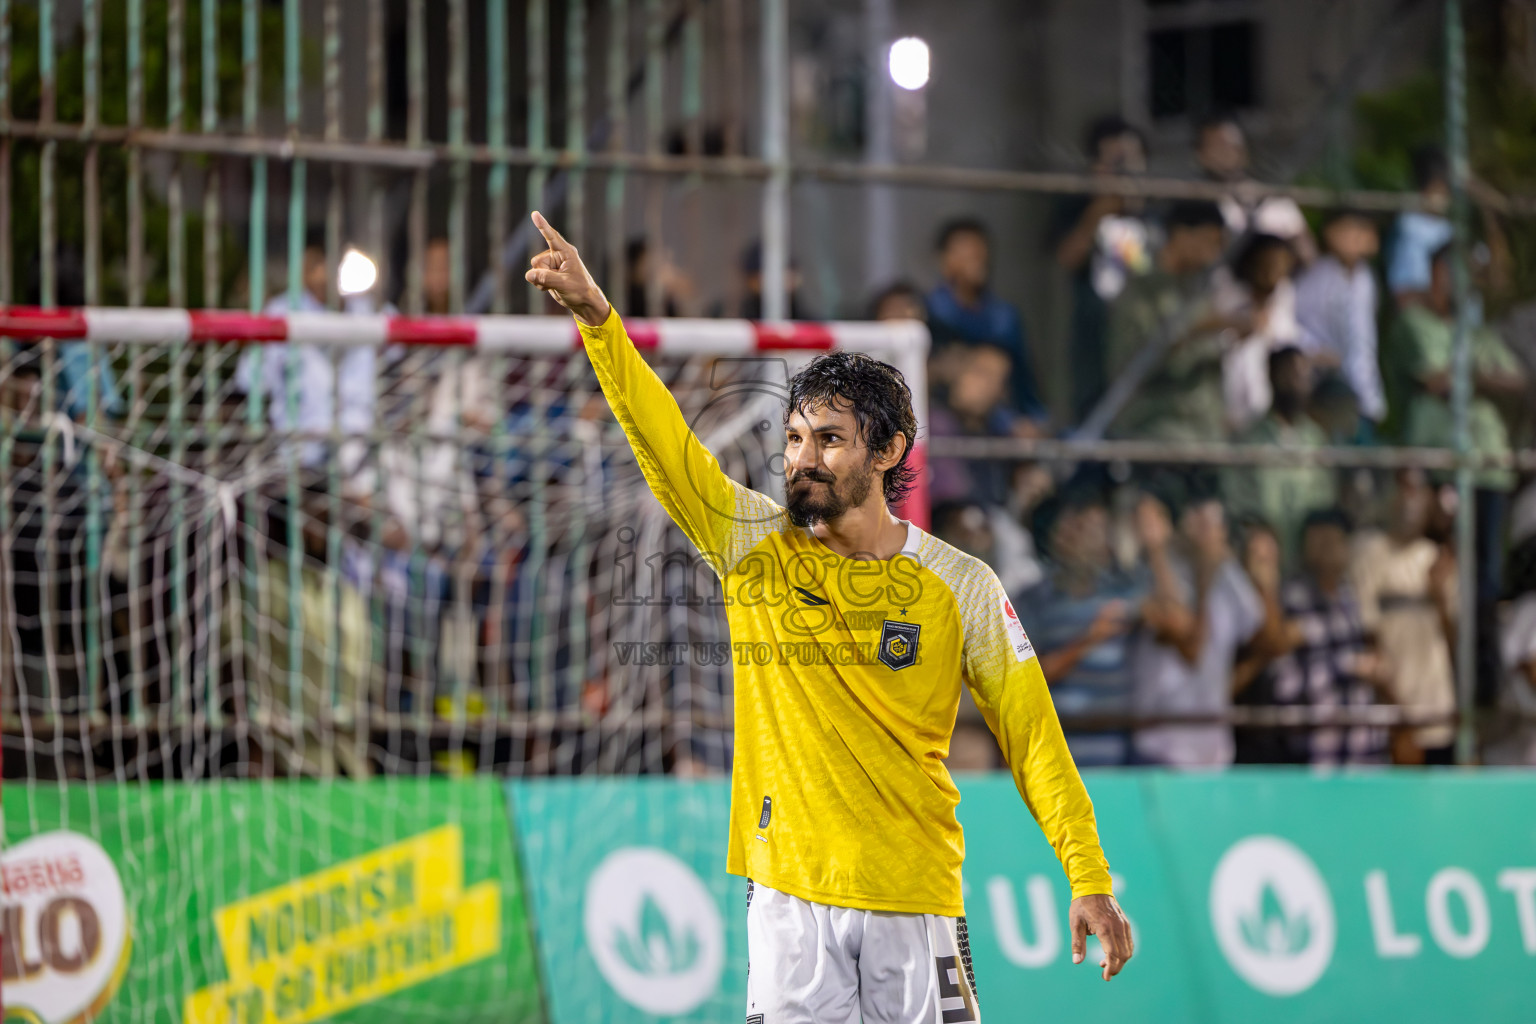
333	386
1336	308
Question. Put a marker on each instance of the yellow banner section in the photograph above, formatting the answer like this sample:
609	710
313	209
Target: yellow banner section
351	933
337	904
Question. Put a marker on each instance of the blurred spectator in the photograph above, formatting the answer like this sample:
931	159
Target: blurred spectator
1221	149
1417	235
1250	675
1260	293
1336	307
900	301
1326	658
437	278
1406	585
995	537
752	278
1102	241
326	731
334	386
1423	346
1510	737
975	405
1079	618
676	287
1283	496
72	366
963	309
1203	609
1168	315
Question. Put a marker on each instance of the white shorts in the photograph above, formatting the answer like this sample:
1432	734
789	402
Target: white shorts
809	963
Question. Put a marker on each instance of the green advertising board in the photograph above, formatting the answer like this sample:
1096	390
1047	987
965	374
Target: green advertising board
1262	896
636	917
264	903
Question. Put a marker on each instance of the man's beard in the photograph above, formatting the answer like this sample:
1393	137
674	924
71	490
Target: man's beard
809	504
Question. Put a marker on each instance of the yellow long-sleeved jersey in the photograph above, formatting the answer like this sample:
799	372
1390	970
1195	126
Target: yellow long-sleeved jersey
847	683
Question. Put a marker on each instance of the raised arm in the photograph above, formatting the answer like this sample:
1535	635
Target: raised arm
717	514
1005	678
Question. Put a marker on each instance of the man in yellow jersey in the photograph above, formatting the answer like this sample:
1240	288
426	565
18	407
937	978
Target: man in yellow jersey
842	812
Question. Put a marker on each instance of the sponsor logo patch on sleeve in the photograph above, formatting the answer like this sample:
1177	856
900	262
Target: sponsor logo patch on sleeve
1022	648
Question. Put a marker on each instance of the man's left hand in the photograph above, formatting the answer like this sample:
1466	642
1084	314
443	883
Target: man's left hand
1101	916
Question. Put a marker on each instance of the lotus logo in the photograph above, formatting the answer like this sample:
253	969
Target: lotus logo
1268	930
1272	915
654	930
653	949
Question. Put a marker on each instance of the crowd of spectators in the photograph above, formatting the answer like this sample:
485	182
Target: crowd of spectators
1197	615
1180	611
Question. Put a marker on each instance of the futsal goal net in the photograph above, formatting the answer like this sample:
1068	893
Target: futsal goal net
330	544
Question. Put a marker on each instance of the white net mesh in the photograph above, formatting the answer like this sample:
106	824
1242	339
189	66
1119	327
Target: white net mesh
295	560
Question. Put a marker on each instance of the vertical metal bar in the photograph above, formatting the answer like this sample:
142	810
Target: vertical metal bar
48	174
655	125
538	108
375	132
135	155
775	79
415	135
880	248
175	39
47	238
5	162
180	626
256	277
211	182
256	257
209	123
333	224
692	110
576	118
731	30
375	229
291	372
692	99
458	121
9	676
496	139
94	591
136	605
92	15
618	121
1461	385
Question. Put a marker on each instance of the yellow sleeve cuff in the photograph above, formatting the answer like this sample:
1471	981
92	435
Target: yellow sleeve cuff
1103	888
606	327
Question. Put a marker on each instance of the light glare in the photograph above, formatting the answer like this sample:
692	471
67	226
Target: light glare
909	63
357	273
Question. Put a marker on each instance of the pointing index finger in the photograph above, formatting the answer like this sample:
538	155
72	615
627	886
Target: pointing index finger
553	237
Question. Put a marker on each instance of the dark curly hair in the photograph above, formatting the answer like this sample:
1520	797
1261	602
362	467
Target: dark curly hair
880	400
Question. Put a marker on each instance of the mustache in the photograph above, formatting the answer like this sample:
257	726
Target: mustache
814	476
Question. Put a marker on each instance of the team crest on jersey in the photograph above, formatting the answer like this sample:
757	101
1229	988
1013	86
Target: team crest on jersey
898	644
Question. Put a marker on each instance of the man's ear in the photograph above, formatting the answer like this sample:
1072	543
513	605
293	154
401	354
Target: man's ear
892	453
